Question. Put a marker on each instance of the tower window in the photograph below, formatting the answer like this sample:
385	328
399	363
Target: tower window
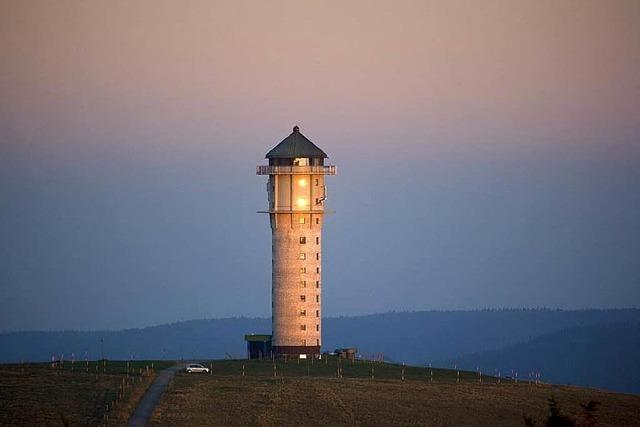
303	269
317	298
317	221
302	255
318	328
318	256
317	240
303	313
301	219
317	181
303	327
317	283
303	240
317	313
318	343
303	298
318	270
303	283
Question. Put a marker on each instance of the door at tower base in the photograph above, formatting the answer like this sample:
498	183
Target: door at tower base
295	350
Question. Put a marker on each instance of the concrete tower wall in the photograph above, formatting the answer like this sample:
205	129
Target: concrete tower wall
297	261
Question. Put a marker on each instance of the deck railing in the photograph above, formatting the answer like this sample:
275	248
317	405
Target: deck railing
296	170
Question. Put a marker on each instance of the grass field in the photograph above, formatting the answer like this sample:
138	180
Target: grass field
301	393
78	394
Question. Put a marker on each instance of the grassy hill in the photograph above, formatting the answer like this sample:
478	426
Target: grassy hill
292	392
305	394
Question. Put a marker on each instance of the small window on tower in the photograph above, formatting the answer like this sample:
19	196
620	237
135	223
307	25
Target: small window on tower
301	220
303	269
317	181
303	298
302	255
303	313
317	298
317	313
303	283
303	327
303	240
317	240
318	256
317	283
317	220
317	327
318	270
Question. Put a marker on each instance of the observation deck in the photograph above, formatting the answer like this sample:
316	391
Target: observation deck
296	170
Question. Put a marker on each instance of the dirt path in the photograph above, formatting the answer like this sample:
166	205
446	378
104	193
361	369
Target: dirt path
143	412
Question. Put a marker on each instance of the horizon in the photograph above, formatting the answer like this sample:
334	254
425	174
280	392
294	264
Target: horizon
248	317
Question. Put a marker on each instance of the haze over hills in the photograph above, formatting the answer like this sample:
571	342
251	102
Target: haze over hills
564	345
599	355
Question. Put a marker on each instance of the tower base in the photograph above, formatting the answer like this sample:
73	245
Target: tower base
281	350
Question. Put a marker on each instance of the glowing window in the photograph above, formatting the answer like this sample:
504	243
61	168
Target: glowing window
301	161
301	202
301	220
302	255
302	182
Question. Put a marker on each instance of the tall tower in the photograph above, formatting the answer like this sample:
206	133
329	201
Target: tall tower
296	193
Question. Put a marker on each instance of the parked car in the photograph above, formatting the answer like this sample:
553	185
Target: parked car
196	368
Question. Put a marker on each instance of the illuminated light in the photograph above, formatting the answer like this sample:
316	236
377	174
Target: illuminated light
302	183
301	202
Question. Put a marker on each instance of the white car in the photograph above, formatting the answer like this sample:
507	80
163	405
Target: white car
197	368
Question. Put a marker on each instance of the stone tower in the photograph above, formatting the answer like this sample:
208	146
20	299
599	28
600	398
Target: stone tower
296	193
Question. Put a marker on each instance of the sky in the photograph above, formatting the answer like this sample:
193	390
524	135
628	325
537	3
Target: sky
488	155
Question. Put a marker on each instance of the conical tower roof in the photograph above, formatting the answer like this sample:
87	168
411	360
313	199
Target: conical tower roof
294	146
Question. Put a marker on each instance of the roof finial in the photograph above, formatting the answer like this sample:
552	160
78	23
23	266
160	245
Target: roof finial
296	128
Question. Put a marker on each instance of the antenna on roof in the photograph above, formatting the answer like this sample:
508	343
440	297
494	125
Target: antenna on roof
296	128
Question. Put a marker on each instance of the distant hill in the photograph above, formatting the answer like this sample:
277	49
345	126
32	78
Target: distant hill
603	356
410	337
